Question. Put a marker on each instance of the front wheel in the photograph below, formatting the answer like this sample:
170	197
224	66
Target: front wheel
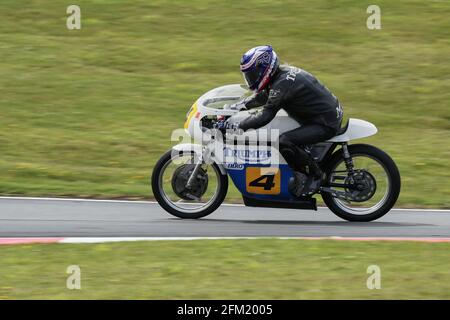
375	184
169	183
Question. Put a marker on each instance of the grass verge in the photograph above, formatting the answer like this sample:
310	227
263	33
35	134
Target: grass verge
227	269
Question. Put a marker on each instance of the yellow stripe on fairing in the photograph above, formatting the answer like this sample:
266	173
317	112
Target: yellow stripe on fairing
191	114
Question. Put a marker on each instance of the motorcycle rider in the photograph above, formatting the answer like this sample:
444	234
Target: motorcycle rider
304	98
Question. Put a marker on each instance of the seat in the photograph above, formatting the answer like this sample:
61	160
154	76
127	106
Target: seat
354	129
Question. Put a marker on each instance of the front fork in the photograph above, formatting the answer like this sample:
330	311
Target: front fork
203	157
197	167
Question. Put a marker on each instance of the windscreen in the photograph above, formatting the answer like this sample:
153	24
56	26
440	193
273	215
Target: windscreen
220	96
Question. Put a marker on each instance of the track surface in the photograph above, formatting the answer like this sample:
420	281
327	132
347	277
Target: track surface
74	218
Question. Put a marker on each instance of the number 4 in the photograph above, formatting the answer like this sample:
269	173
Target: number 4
263	180
267	185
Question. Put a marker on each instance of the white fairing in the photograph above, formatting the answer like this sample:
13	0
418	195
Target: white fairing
280	124
212	103
189	147
357	129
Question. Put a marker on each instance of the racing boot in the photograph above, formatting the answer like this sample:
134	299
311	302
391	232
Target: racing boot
314	181
297	183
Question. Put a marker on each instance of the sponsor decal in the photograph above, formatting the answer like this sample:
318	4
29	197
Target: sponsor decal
339	112
247	155
292	73
234	166
274	93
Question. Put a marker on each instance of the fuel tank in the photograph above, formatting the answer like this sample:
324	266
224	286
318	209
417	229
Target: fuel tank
280	124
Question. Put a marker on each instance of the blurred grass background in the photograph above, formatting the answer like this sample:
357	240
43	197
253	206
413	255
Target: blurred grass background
227	269
88	112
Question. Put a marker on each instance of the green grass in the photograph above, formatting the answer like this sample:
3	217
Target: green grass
88	113
227	269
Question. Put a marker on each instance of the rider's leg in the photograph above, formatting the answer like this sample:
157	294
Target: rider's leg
291	146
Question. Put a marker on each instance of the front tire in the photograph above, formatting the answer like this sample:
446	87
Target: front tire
390	197
165	201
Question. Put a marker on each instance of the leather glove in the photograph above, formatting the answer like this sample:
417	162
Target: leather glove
224	126
235	106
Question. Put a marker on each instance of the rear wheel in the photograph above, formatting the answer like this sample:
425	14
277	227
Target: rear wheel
169	179
375	184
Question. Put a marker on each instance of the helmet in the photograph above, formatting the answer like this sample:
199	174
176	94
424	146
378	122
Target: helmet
258	65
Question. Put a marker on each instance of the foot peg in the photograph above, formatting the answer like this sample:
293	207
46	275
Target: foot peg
312	185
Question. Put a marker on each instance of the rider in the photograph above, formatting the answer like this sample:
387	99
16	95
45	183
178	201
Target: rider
304	98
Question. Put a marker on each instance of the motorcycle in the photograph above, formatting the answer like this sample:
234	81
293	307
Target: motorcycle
190	181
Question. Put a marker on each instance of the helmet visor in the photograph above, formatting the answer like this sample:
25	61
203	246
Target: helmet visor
251	78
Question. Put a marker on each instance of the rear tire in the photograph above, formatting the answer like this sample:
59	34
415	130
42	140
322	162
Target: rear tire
157	192
392	173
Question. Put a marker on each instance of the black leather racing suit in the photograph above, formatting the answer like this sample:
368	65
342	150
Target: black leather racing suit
306	100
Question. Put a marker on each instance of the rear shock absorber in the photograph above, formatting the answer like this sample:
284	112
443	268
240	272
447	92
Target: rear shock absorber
347	158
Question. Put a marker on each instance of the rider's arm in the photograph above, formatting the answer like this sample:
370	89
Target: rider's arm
256	100
277	96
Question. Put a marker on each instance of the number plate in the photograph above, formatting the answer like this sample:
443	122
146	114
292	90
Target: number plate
262	180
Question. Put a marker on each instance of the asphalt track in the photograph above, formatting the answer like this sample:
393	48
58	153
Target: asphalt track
83	218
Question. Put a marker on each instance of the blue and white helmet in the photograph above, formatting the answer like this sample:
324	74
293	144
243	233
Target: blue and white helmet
258	65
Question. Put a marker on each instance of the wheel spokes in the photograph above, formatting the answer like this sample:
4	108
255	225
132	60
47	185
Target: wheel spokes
173	178
367	169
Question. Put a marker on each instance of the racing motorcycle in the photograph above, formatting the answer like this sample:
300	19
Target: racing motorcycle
190	181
